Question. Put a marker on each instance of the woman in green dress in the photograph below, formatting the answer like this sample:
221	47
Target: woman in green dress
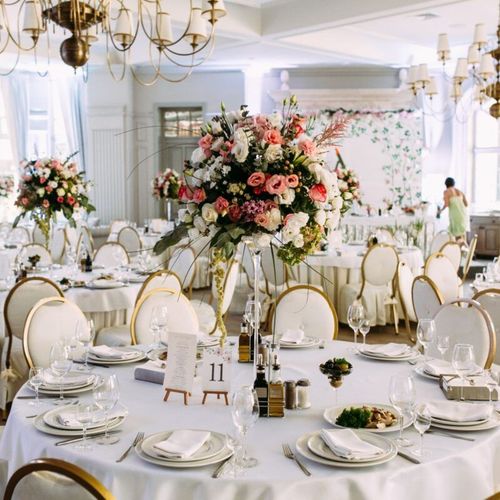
456	203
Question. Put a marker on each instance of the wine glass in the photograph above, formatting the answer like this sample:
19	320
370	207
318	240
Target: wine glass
492	381
85	334
422	422
117	256
245	412
106	395
463	363
364	329
60	364
402	394
251	308
36	381
426	331
443	344
158	325
85	416
355	316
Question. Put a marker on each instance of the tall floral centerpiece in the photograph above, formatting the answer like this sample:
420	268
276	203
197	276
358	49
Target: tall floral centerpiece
261	180
6	185
348	183
49	186
166	186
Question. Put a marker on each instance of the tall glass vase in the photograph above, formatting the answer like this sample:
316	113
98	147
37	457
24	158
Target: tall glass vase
168	209
256	257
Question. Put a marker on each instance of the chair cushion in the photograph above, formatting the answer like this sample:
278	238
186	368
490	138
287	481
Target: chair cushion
206	315
114	336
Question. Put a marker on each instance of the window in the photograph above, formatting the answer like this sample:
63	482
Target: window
486	150
181	122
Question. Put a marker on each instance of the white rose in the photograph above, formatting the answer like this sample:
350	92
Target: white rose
287	197
193	233
240	149
298	241
332	220
301	219
53	184
275	119
274	219
347	195
192	208
200	224
289	232
315	169
60	192
337	203
197	156
40	192
209	213
273	152
262	240
320	217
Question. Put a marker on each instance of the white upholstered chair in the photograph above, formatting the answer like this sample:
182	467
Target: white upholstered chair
404	286
466	322
130	239
426	298
57	244
385	236
181	315
441	271
377	289
18	303
71	235
439	240
453	251
54	479
161	279
116	225
20	235
183	263
37	236
32	249
306	307
111	254
490	302
275	272
468	258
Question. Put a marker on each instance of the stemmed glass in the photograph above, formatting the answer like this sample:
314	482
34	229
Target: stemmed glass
463	363
158	325
249	316
443	344
355	316
422	422
106	395
492	381
60	364
402	395
36	381
426	331
84	415
85	334
364	329
245	412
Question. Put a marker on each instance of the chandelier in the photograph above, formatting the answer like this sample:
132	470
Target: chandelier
28	25
480	70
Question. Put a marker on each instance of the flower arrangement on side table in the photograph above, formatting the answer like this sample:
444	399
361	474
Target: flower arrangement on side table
260	177
49	186
166	185
348	184
6	185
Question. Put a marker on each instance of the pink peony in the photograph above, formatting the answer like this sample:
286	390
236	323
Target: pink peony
45	204
199	195
261	219
185	194
318	193
256	179
221	205
307	146
273	136
276	184
292	181
234	213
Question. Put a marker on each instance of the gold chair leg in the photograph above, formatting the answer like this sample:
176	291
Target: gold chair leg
396	318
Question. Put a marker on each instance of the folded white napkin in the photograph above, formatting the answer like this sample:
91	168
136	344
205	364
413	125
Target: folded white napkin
293	336
438	367
73	378
345	443
455	411
104	351
183	444
69	417
102	283
389	350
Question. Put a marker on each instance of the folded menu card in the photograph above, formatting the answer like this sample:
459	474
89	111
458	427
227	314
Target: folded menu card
345	443
459	411
183	443
293	336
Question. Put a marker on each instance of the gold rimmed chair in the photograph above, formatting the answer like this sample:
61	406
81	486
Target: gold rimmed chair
85	241
466	322
111	254
468	258
20	235
54	479
442	272
404	287
307	307
426	298
453	251
183	263
181	315
20	300
32	249
490	302
439	240
57	244
38	337
130	239
378	286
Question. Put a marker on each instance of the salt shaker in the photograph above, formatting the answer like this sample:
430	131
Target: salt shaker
303	401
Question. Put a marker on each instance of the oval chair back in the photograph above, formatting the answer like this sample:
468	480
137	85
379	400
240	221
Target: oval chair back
111	254
441	271
490	302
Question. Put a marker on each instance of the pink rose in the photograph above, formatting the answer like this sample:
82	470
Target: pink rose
270	204
185	194
43	180
221	205
261	219
205	142
256	179
199	195
276	184
76	205
318	193
273	136
48	189
45	204
307	146
60	199
292	181
234	213
225	149
24	201
71	200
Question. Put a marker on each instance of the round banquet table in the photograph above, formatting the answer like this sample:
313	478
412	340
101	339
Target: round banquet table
458	469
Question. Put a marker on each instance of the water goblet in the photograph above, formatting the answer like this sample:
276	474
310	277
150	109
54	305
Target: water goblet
422	422
158	325
36	381
492	381
355	316
463	363
426	332
106	395
245	412
60	364
85	334
364	329
443	344
402	395
85	416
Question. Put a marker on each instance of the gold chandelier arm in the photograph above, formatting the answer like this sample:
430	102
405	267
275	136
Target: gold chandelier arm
45	73
13	67
108	62
193	65
195	51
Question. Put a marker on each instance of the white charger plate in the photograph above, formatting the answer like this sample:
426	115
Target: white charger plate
494	421
306	343
40	425
213	446
107	361
331	414
441	421
405	357
303	449
69	376
50	419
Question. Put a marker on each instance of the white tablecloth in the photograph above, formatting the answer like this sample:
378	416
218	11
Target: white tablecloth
459	469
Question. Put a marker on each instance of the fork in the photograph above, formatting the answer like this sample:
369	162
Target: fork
287	451
139	437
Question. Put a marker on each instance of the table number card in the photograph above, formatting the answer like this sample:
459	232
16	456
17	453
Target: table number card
216	372
181	362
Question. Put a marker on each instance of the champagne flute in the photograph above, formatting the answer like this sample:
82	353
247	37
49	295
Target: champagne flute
245	412
402	395
422	422
492	381
364	329
84	415
355	316
443	344
85	333
426	331
106	395
36	381
463	363
60	364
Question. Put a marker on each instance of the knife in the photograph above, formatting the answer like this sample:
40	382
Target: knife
77	439
408	456
218	472
47	396
90	363
449	434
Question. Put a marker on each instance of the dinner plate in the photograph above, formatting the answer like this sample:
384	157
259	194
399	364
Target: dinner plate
104	286
40	425
72	389
137	279
303	449
419	369
404	357
452	423
208	341
213	446
114	361
331	414
491	423
67	378
316	444
50	419
306	342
